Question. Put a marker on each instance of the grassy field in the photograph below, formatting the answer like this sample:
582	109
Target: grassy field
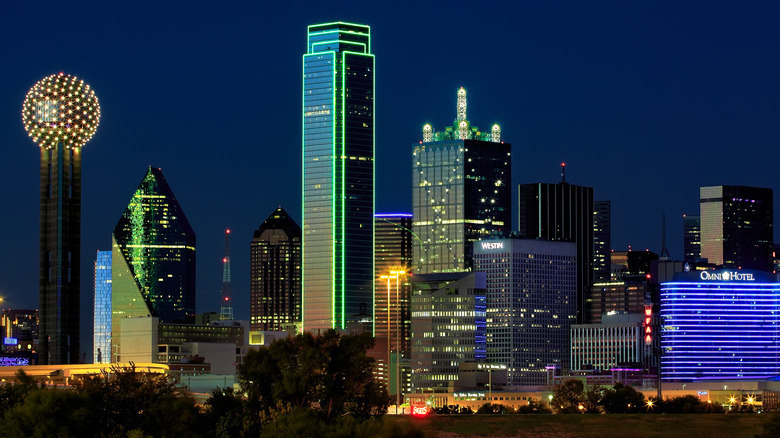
612	426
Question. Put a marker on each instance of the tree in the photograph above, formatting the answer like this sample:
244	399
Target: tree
329	372
593	399
623	399
534	408
125	399
568	396
14	394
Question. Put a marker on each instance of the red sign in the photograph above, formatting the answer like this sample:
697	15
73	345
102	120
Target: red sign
420	410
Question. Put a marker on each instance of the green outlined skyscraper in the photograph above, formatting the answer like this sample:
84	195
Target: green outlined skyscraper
338	177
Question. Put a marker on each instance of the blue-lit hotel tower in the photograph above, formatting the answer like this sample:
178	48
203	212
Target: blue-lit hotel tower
338	177
101	337
720	324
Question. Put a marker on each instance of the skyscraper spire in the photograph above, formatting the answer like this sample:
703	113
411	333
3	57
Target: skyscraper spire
226	310
461	104
563	173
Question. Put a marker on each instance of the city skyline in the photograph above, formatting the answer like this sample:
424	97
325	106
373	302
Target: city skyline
711	81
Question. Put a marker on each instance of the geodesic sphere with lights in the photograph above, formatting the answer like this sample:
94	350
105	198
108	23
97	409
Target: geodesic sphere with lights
61	109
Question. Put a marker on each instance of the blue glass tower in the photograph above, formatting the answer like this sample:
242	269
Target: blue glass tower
101	338
338	177
720	324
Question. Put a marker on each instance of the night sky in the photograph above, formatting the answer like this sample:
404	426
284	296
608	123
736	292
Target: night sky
644	101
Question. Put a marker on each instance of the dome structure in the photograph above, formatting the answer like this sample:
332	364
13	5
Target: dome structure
61	109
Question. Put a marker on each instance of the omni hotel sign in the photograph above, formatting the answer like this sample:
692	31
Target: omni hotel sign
727	276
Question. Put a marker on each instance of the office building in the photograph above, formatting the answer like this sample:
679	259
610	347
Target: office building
153	259
564	212
448	327
101	333
393	259
275	274
461	192
691	238
60	113
531	304
625	296
736	226
20	333
720	324
602	240
338	178
618	338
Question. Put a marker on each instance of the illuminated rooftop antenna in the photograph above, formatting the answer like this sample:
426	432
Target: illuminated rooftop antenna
563	173
427	133
461	104
226	309
495	134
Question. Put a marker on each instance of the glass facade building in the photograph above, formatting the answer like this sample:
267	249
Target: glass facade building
562	211
338	177
275	274
448	327
531	289
393	255
101	335
153	259
721	324
736	226
461	192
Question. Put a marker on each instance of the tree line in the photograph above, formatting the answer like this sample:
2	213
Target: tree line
315	386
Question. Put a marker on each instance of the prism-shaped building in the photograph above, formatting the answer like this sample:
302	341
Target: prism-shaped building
153	259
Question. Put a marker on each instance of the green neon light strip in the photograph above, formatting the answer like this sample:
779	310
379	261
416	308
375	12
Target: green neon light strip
342	157
303	191
333	196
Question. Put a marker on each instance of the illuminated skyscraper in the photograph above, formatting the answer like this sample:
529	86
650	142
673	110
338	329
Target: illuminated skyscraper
101	333
393	258
338	177
562	211
60	113
736	226
721	324
461	192
153	258
275	273
531	291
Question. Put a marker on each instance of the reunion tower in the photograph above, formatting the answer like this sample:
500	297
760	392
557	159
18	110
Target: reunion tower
60	113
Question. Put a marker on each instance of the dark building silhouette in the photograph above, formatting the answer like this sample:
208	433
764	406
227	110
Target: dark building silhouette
691	238
564	212
275	273
461	192
736	226
602	240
